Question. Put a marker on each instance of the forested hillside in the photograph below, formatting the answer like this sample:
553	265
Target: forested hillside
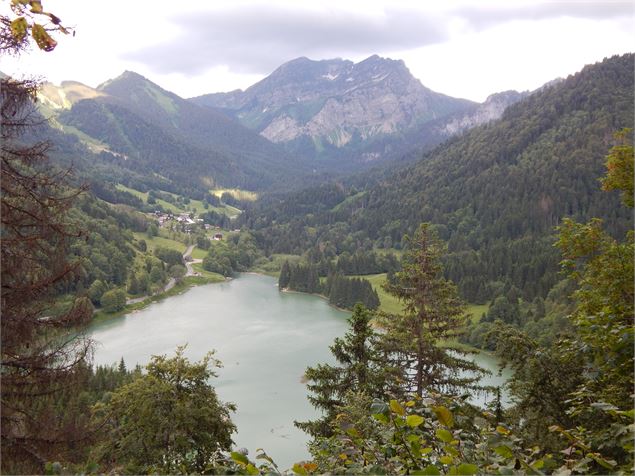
138	126
494	194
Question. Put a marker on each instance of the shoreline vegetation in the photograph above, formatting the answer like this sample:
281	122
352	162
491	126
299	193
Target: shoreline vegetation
179	288
212	278
322	296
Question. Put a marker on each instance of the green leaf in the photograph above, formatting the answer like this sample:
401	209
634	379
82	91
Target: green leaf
414	420
18	28
263	455
42	38
397	408
538	464
602	462
504	451
444	416
251	469
378	408
239	458
465	468
452	451
444	435
446	459
430	470
425	451
36	6
299	469
381	417
502	430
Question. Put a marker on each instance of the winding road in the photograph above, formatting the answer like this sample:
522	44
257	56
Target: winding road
187	258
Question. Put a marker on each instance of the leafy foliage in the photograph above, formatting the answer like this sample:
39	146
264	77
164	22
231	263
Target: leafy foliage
167	420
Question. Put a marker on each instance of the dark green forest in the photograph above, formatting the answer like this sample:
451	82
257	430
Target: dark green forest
494	194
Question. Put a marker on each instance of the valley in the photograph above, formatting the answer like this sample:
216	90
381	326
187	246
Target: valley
333	269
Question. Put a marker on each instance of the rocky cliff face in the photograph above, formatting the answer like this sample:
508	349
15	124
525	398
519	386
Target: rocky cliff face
490	110
336	103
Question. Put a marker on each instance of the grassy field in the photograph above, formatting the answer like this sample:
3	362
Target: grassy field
212	277
198	253
144	197
348	200
160	241
238	194
271	266
392	305
476	311
196	206
388	303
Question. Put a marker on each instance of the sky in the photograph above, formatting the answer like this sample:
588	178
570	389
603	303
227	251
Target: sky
461	48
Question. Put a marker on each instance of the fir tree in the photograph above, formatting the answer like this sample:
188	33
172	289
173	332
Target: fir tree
359	370
285	275
433	315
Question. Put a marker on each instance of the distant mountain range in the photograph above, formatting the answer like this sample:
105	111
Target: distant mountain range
494	193
305	120
366	111
156	131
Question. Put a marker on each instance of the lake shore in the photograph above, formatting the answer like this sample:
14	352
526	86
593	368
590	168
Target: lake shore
187	283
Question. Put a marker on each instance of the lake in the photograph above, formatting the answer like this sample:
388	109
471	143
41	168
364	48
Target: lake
264	338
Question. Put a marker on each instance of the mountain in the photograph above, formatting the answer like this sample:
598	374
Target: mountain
335	108
492	109
495	193
153	131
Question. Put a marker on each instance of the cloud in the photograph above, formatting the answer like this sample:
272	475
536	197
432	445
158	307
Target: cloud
483	16
257	39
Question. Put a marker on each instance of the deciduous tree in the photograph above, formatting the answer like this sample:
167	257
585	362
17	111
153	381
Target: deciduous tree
168	420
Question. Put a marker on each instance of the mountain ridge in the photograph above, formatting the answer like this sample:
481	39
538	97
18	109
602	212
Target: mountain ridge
130	115
335	103
494	193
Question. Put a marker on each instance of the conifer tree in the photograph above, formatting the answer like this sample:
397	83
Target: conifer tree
285	276
359	370
433	315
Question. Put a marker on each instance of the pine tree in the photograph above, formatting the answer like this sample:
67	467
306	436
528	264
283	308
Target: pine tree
359	370
433	315
313	280
285	276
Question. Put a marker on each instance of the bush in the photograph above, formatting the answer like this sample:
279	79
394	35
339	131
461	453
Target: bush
113	300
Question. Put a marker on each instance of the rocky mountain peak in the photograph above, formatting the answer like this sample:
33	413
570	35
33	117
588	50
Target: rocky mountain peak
335	103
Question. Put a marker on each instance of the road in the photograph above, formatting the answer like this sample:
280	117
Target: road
189	261
187	257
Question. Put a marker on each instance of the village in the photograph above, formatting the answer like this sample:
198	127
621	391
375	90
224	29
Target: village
186	223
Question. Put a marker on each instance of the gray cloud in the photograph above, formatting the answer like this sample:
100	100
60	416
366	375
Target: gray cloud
257	39
483	17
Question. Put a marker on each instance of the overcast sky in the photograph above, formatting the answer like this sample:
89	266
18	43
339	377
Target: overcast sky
466	49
